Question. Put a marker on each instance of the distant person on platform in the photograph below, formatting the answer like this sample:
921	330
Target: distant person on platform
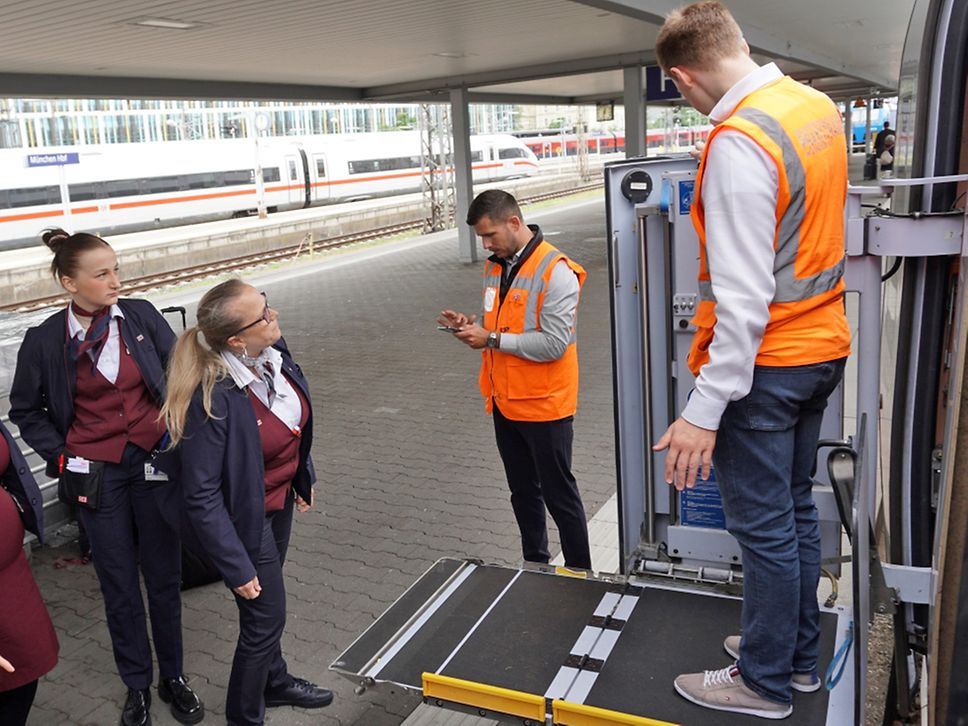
529	371
881	138
770	344
886	157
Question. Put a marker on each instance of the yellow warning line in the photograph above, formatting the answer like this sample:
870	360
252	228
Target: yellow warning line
481	695
576	714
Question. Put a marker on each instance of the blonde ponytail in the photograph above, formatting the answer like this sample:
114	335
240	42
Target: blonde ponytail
192	364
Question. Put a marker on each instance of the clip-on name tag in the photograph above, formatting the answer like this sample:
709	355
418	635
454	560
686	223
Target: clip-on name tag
153	474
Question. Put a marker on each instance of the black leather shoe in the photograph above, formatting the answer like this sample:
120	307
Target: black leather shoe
186	707
299	693
136	707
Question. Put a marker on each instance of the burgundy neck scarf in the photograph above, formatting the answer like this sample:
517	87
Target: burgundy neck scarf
96	336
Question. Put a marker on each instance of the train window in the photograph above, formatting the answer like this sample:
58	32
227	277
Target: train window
198	181
362	167
235	177
162	185
477	156
368	166
293	173
320	167
270	174
511	153
33	196
85	192
123	188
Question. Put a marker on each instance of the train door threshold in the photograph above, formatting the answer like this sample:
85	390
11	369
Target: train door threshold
543	645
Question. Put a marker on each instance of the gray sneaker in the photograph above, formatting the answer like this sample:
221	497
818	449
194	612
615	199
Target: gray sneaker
724	690
803	682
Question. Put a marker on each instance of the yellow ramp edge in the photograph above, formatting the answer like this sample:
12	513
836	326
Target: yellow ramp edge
481	695
566	713
567	572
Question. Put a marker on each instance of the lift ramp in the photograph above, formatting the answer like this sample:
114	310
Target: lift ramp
542	645
539	645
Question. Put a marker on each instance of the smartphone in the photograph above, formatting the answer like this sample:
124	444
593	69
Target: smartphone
448	328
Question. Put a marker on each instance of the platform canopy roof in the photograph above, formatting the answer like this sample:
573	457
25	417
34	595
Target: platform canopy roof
507	51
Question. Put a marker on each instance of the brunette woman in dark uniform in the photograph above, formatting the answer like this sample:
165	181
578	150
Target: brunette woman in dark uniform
28	644
86	396
239	414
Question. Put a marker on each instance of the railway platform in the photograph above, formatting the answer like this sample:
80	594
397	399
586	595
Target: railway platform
408	471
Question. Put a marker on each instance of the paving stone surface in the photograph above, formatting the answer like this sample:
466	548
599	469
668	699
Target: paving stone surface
408	473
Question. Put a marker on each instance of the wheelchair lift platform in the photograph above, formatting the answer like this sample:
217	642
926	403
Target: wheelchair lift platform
549	645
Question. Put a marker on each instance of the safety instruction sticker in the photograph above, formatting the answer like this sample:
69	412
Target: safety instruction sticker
686	191
702	506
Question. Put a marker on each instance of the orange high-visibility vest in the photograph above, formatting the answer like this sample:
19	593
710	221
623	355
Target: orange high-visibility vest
801	130
527	390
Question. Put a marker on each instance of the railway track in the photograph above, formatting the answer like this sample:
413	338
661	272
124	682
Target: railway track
290	252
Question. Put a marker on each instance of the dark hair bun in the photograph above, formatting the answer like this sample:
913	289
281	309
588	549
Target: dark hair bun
55	238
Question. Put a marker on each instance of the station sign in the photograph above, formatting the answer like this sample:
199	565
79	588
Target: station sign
659	86
58	158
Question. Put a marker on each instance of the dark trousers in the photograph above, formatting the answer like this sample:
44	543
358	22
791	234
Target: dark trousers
258	665
126	530
537	461
15	704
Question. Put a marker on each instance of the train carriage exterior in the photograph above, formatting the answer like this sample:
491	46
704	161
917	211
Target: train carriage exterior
111	190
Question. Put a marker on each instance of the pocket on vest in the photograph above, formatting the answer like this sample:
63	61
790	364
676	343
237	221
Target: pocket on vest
513	311
527	379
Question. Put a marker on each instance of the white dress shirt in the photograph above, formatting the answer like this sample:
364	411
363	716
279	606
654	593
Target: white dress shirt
109	362
739	195
285	404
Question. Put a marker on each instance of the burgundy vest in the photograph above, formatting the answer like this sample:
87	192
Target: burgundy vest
27	637
280	448
109	415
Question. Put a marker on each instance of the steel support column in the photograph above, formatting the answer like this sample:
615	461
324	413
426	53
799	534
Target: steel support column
848	127
460	115
634	100
867	121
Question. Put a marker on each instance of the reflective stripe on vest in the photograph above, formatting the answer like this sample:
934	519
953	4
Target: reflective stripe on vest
789	288
533	284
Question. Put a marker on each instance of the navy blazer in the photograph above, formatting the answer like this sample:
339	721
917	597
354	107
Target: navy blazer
23	487
223	474
42	393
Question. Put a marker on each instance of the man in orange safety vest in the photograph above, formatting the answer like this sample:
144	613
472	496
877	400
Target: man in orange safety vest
770	344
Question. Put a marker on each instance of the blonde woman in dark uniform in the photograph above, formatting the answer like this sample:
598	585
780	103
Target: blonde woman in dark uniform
239	414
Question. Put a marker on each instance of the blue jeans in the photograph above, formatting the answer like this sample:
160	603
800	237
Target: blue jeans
765	449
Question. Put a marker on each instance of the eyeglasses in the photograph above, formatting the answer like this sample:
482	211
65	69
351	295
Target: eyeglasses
266	317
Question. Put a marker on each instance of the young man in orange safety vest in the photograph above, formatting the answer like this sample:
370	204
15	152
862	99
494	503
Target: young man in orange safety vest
770	344
529	371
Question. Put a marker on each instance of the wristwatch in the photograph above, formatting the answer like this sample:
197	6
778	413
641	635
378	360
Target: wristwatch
491	340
